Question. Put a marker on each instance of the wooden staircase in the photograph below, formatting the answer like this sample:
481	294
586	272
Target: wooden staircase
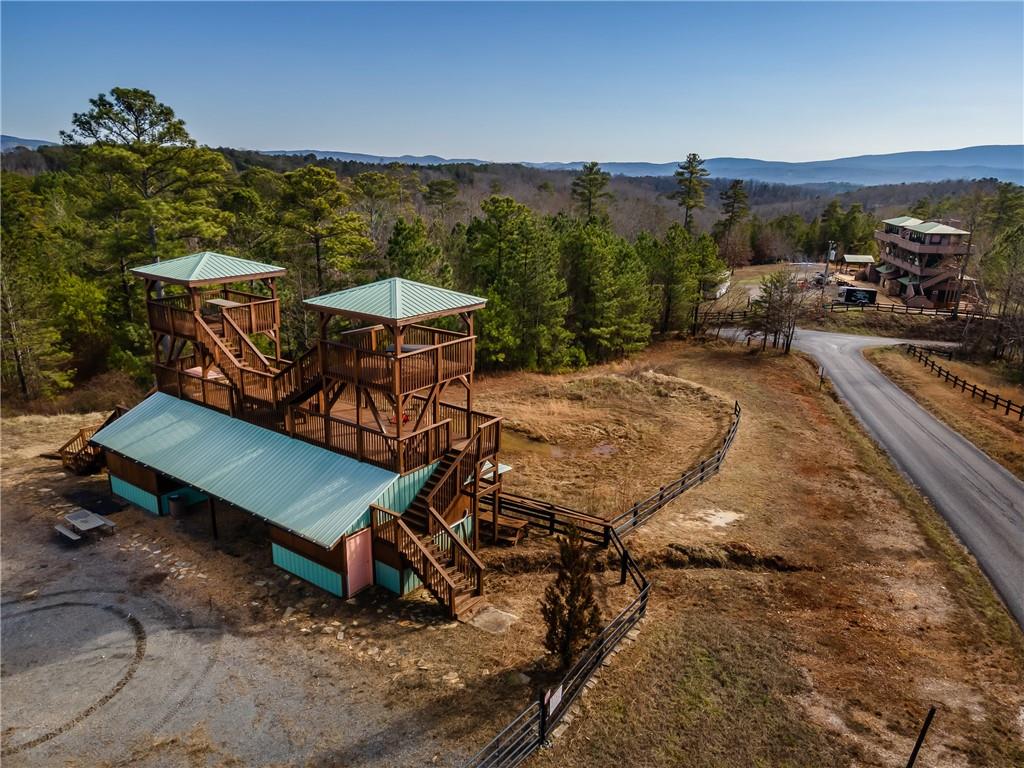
263	392
79	455
444	563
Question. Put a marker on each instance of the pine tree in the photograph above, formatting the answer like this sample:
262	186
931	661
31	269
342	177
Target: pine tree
512	255
313	208
690	176
608	303
412	255
735	207
569	607
589	189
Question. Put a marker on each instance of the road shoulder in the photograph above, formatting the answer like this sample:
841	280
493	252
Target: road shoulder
998	436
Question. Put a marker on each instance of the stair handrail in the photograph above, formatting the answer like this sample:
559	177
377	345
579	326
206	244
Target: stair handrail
232	369
281	377
461	552
473	445
85	433
210	339
410	545
247	345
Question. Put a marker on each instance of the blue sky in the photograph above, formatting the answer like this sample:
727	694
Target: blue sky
535	81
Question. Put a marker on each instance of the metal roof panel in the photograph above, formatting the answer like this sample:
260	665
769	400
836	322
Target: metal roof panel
207	267
312	492
395	299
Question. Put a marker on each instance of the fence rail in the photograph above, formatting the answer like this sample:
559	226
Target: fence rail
642	511
529	730
1008	407
901	309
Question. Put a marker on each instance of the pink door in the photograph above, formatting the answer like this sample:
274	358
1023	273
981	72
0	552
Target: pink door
359	559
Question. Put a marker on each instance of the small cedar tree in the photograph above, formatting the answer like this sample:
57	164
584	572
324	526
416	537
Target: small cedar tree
569	607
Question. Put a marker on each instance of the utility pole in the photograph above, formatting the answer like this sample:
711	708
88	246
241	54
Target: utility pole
829	254
963	271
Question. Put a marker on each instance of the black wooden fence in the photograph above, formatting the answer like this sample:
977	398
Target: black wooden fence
727	317
641	512
999	403
529	730
901	309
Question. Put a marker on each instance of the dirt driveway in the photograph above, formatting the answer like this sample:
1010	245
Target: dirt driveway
153	647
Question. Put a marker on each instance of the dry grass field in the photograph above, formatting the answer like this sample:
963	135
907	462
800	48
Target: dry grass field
998	435
808	606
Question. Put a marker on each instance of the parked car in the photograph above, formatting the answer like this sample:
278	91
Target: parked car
858	296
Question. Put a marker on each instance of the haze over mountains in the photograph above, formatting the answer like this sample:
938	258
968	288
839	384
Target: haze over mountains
1001	161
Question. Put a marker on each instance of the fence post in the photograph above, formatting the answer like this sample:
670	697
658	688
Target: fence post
543	730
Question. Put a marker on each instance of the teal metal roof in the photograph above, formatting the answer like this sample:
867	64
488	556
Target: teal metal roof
910	280
207	268
312	492
856	258
885	269
902	221
395	299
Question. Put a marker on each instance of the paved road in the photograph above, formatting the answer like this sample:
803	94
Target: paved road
981	501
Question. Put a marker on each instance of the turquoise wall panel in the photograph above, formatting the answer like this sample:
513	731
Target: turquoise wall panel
410	581
306	569
464	528
386	576
399	495
191	496
135	495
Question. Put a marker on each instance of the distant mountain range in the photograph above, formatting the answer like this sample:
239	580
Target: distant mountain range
1001	161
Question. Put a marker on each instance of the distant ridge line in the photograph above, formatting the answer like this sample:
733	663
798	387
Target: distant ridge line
1004	162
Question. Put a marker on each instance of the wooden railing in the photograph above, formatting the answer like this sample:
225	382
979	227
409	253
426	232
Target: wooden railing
168	318
901	309
999	403
359	366
389	527
414	370
483	445
297	376
463	559
412	451
189	386
251	355
78	453
255	316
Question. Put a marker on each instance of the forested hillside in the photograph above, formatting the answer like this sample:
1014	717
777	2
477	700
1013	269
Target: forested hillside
577	267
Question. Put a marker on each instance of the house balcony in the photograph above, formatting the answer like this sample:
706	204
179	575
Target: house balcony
951	249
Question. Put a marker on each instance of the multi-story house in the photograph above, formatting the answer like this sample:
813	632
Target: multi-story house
920	261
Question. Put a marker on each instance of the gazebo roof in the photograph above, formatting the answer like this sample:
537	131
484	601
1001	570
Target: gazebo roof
207	268
395	300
